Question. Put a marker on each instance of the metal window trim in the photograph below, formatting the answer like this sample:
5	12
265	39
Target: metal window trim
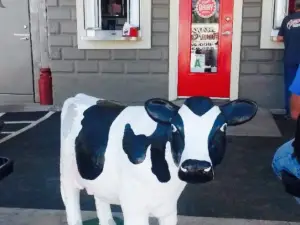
95	15
280	10
144	41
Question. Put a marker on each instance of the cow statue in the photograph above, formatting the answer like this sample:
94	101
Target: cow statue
141	157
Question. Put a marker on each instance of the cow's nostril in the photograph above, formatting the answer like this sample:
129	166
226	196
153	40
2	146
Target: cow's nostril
196	171
183	169
192	165
207	169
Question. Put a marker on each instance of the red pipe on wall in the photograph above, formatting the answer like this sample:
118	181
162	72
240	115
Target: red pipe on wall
45	87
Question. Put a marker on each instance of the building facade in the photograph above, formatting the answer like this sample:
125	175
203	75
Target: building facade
244	61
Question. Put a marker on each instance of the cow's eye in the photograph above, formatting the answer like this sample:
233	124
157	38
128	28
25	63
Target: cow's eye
174	129
223	127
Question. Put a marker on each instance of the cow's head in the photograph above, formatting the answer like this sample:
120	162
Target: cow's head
199	132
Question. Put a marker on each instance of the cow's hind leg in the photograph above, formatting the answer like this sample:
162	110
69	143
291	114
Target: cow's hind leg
104	212
134	213
135	219
71	199
170	219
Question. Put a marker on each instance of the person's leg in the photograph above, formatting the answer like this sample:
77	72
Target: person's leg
281	157
283	160
289	75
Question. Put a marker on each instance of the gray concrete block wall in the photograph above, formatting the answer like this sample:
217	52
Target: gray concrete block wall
123	75
261	70
135	75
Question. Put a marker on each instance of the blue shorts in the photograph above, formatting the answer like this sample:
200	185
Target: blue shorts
283	160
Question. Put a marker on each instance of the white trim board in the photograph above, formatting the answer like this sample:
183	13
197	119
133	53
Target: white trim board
173	49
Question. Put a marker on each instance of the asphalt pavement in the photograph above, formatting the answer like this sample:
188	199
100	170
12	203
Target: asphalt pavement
244	185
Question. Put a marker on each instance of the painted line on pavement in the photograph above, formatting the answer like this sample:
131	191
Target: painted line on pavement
33	124
21	216
17	122
6	132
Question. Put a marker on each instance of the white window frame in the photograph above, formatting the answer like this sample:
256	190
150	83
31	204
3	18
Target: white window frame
266	32
106	40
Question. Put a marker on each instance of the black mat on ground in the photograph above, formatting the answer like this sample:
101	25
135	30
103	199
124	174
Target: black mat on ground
23	116
2	136
244	185
14	127
286	126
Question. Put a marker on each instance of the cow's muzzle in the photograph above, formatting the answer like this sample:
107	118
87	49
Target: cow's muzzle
196	171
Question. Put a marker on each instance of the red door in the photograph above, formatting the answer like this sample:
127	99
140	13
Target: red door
205	40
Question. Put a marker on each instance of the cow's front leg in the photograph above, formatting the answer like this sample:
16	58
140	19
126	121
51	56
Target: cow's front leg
170	219
134	213
135	219
71	199
104	213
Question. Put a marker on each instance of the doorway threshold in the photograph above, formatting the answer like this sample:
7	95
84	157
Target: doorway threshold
217	101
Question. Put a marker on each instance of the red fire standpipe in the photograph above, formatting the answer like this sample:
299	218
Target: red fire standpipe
45	87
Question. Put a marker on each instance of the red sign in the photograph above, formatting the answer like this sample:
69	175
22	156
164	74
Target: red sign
206	8
214	81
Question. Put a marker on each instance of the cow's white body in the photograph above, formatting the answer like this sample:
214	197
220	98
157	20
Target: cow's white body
134	187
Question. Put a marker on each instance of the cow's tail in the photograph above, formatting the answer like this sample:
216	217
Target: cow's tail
68	115
69	187
71	113
71	109
67	118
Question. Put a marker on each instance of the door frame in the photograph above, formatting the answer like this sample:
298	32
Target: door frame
173	49
39	40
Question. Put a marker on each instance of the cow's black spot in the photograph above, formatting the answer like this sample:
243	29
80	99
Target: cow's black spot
91	142
158	141
217	141
177	139
135	146
199	105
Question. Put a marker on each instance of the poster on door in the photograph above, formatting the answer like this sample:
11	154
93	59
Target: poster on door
206	8
204	48
198	63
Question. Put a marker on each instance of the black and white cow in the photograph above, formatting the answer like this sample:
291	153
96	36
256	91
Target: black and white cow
141	157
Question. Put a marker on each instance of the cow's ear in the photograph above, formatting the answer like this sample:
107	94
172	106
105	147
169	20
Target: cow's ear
239	111
161	110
